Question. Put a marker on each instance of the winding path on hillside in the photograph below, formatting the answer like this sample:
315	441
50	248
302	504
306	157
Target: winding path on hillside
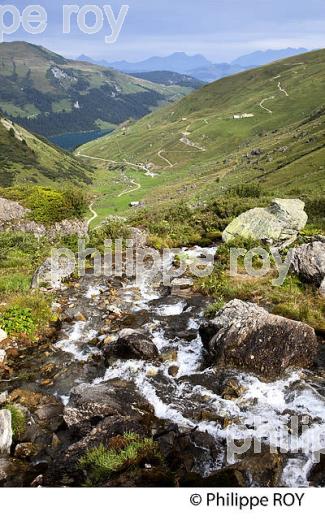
136	185
265	108
78	154
165	158
94	214
282	89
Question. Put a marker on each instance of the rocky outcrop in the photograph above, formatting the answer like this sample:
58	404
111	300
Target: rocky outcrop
68	228
3	335
245	336
43	413
89	404
14	217
278	224
52	273
11	211
132	344
308	263
188	451
59	229
5	432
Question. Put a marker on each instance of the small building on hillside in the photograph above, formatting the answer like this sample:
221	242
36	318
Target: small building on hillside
243	116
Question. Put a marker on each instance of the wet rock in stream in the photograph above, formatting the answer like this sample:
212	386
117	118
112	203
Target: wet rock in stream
131	344
246	336
255	470
90	403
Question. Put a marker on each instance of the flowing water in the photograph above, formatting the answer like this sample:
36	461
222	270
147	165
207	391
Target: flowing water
178	388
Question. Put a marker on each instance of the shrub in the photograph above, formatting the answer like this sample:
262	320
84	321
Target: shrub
131	450
246	191
26	314
18	420
17	320
113	229
48	205
213	308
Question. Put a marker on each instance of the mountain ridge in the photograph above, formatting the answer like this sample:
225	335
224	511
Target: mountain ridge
51	95
260	126
26	158
197	65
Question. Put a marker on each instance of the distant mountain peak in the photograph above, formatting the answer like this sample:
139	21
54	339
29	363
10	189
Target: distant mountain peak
258	58
177	62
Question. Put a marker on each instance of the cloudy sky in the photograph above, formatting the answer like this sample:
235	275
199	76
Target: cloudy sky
220	29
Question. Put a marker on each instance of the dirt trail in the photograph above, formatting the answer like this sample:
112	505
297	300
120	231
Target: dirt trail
165	158
265	108
78	154
282	89
136	185
94	214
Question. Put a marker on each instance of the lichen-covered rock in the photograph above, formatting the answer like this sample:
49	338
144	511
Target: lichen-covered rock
53	272
245	336
5	432
3	335
308	262
68	228
11	210
278	224
14	217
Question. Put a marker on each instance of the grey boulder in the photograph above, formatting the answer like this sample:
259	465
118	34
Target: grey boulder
52	273
308	263
246	336
5	432
278	224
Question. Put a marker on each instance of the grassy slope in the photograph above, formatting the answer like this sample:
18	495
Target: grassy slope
291	138
34	160
41	89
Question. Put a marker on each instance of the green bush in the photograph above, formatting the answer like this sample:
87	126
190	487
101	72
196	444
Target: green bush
245	191
48	205
100	463
26	314
18	420
17	320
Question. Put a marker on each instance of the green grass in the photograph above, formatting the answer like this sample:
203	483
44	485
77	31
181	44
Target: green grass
35	161
25	314
293	299
18	420
291	140
13	282
101	463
